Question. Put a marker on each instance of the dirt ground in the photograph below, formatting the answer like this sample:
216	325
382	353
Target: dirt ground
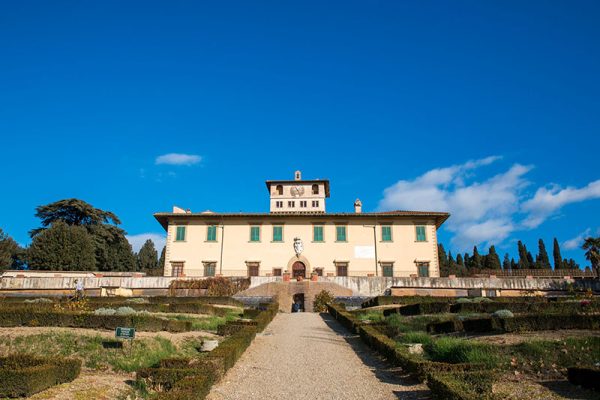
90	385
516	338
175	338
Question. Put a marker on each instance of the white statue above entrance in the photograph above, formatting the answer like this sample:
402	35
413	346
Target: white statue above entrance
298	246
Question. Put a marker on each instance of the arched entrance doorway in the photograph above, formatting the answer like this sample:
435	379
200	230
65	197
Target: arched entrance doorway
299	269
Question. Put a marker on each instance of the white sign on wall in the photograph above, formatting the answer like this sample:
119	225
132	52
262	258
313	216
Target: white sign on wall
367	252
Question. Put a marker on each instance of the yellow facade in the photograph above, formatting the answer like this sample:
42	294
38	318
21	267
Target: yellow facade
393	243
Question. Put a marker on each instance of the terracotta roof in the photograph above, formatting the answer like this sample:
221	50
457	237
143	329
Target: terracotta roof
440	217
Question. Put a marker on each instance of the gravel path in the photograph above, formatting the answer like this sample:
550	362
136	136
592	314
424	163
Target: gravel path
310	356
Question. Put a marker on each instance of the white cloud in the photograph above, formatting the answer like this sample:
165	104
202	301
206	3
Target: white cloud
548	200
577	241
137	241
484	211
178	159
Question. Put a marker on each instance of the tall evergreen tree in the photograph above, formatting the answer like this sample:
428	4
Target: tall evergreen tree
443	260
112	250
62	247
8	251
147	258
467	261
523	259
492	261
506	262
542	261
513	264
592	247
476	260
161	260
558	260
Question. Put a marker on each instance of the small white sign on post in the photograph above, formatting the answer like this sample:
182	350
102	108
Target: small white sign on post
365	252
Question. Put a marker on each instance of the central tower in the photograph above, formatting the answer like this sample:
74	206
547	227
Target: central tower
298	195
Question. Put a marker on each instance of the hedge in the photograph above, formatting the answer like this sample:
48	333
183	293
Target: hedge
557	307
519	323
436	307
120	300
467	385
25	375
403	300
187	379
29	317
588	377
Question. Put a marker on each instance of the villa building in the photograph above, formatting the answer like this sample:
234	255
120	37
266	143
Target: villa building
298	236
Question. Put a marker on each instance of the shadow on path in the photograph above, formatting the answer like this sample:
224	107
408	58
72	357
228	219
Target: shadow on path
380	367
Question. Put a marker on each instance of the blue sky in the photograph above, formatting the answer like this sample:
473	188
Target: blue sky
489	110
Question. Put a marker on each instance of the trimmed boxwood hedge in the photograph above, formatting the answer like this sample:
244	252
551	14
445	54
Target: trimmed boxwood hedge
519	323
557	307
436	307
588	377
25	375
467	385
187	379
29	317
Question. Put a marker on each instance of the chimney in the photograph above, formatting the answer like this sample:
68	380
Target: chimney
357	206
298	175
178	210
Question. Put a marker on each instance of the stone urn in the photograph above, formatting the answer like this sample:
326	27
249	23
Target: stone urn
286	276
299	278
314	277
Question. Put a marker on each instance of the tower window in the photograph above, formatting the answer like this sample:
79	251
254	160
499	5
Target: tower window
315	189
279	204
315	203
303	203
291	204
279	190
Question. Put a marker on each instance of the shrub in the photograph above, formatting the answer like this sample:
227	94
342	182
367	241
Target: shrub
105	311
137	300
470	385
217	286
124	311
482	300
503	314
457	351
38	301
323	298
463	300
25	375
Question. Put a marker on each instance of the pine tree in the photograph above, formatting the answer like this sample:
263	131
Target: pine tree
62	247
558	260
506	262
147	257
523	259
492	261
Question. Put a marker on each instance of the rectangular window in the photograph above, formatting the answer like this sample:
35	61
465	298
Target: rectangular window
319	271
423	269
291	204
421	237
278	233
253	269
387	270
176	269
279	204
341	269
315	203
303	203
180	234
386	233
340	233
210	268
211	233
318	233
255	233
276	271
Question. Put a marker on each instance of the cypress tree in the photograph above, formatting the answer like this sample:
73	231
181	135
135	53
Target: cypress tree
459	260
523	259
467	261
62	247
558	260
506	262
147	258
492	261
513	264
476	260
530	260
161	260
543	260
443	260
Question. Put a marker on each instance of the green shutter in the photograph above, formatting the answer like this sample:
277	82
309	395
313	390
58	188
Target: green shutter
255	234
211	233
277	233
386	233
318	234
388	271
421	234
180	235
340	233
